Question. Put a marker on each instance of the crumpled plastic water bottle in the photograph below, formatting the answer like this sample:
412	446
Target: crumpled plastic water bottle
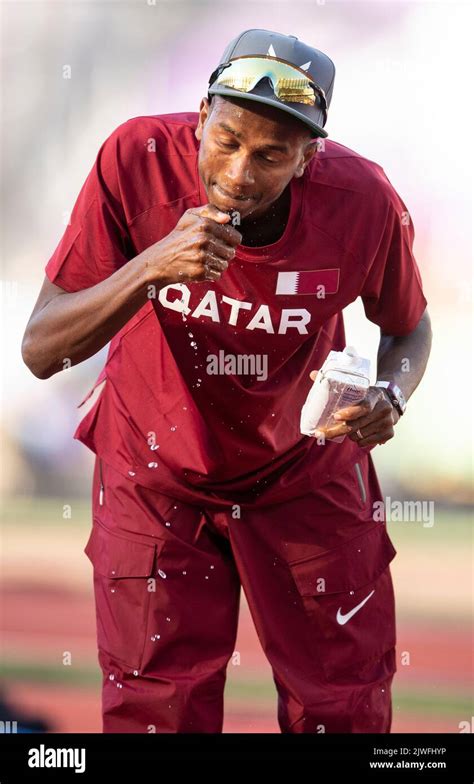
342	381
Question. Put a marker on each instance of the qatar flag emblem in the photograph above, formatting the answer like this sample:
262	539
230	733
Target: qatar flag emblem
317	282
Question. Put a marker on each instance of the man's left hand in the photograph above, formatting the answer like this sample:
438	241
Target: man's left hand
373	418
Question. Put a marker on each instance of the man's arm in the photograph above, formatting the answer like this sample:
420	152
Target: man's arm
69	327
404	359
73	326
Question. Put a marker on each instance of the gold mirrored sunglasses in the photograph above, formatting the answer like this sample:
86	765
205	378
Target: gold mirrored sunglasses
290	83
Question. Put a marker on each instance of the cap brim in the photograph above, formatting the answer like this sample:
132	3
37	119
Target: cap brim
270	101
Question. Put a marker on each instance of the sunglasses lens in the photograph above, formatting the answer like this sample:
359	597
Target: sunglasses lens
294	90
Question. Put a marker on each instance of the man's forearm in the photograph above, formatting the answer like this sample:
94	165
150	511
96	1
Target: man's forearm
74	326
403	359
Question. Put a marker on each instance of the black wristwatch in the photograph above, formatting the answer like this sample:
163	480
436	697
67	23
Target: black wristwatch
395	394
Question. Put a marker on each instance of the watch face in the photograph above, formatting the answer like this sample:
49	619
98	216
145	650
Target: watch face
399	397
395	394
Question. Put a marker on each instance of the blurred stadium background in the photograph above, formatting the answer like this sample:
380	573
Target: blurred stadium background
398	100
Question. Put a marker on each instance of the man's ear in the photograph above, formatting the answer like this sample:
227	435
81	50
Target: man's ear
204	111
310	150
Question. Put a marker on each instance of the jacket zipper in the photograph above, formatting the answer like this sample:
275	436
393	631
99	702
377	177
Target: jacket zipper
360	480
101	493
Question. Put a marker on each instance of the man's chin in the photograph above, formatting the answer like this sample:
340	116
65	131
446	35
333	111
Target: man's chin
238	211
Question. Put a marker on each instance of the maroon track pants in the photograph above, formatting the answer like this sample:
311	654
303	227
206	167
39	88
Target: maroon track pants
316	576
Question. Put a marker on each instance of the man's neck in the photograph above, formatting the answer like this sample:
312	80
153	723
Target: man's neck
269	227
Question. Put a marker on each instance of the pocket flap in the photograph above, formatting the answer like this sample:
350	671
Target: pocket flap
115	556
345	568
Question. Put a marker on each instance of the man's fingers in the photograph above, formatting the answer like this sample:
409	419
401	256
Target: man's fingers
377	427
378	437
372	428
376	416
210	211
372	401
333	431
227	234
211	273
215	263
215	222
353	412
221	250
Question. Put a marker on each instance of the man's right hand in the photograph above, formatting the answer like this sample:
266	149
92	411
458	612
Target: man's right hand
199	248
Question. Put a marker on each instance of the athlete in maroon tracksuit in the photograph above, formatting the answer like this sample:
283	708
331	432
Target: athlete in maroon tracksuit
203	482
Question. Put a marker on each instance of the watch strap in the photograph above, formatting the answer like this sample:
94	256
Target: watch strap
395	394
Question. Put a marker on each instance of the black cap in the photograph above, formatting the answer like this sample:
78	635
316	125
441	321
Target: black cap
317	65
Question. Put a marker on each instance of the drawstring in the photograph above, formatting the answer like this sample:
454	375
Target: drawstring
101	493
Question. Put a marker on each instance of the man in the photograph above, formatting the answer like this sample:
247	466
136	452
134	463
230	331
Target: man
216	252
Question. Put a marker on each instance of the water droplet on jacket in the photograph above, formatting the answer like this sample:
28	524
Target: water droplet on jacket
162	574
152	465
131	473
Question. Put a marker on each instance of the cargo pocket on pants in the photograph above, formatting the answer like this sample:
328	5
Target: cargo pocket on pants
349	600
122	571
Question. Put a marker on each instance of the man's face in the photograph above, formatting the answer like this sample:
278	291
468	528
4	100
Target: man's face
248	153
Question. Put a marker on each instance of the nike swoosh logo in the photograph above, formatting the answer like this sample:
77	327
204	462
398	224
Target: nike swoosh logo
342	619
